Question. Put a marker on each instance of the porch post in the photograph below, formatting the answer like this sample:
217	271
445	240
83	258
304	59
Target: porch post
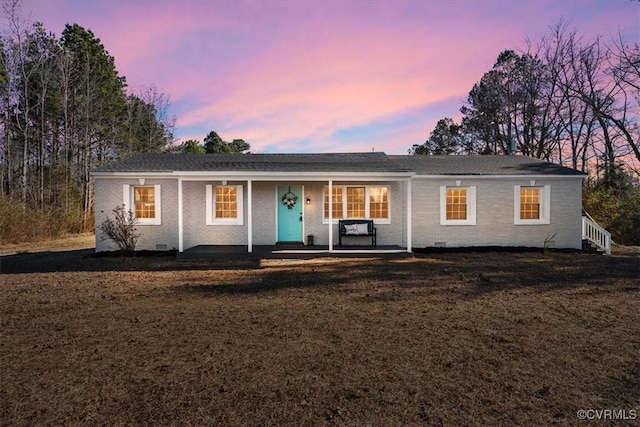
409	215
180	218
249	217
330	189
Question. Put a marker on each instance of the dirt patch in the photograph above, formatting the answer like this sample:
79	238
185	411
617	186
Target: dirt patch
442	339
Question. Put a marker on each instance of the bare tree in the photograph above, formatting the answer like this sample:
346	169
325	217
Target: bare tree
624	63
149	127
22	65
563	99
575	119
6	169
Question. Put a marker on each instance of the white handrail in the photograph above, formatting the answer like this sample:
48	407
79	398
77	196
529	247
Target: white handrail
596	234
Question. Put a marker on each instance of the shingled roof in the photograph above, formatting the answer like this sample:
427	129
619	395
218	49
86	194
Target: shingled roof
323	162
338	162
481	165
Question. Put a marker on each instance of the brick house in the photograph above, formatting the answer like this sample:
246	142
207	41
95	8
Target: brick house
184	201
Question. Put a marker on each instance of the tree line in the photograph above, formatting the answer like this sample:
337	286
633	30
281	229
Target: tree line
214	144
565	99
65	109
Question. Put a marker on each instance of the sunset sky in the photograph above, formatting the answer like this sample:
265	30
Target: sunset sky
320	76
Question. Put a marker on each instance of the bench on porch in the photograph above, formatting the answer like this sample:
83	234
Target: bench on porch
356	227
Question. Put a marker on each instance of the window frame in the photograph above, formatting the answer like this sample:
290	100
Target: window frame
545	205
128	191
367	202
325	203
355	203
210	208
388	198
471	205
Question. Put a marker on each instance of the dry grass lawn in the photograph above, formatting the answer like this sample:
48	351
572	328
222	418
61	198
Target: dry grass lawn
439	340
78	241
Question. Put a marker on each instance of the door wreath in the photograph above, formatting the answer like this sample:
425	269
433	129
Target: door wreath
289	199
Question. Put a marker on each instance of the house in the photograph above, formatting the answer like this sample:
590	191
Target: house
184	201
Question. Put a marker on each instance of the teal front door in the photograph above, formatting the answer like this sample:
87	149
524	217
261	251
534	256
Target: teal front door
290	213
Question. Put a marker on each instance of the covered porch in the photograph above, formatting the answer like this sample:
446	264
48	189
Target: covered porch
264	218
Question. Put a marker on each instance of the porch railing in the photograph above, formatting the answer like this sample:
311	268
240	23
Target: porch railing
595	234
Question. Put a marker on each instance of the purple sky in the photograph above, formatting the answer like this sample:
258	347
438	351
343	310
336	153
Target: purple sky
320	76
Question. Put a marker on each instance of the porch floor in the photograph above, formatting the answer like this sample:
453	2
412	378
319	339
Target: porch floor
206	252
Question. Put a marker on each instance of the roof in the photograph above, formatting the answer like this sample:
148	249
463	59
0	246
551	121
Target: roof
482	165
323	162
374	162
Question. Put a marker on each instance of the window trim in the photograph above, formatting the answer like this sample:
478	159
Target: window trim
128	192
367	203
325	203
355	202
545	205
210	206
471	206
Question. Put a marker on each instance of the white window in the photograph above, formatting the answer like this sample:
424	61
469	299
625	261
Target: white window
358	201
378	202
224	205
144	201
532	204
337	203
457	205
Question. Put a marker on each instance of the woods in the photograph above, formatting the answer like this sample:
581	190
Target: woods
64	109
564	98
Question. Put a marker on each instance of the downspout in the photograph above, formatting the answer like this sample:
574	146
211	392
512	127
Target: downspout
180	218
330	215
249	216
409	215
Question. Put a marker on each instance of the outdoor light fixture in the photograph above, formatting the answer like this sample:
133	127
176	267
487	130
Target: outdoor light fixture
308	201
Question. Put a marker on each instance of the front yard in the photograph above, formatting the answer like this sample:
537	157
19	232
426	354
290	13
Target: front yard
447	339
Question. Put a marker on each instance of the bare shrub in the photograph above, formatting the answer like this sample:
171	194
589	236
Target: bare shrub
122	230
